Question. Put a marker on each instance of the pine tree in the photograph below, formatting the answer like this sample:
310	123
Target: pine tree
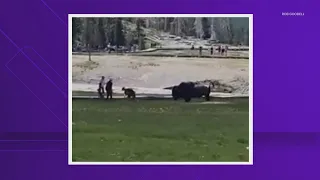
110	26
206	28
140	34
94	32
76	29
89	34
102	33
198	28
119	35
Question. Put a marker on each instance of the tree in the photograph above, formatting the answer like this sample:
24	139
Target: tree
140	34
110	27
94	32
119	35
198	28
102	33
76	29
165	24
213	32
189	29
206	28
230	31
178	32
89	34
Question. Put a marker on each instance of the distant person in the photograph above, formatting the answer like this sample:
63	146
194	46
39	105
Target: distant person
211	50
222	51
192	47
131	48
134	48
219	49
109	48
101	87
226	49
200	50
109	89
153	45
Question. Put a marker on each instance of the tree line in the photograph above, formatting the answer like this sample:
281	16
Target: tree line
99	32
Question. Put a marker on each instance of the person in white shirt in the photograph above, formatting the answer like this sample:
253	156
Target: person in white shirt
226	50
102	83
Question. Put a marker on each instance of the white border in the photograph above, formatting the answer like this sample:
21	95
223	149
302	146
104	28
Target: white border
70	16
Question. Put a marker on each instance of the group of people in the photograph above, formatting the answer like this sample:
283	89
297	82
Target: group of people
221	50
103	85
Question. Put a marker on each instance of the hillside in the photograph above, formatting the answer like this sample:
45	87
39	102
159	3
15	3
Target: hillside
165	32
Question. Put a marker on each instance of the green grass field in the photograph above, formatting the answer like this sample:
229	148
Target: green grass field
160	130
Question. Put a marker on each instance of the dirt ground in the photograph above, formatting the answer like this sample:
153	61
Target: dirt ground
160	72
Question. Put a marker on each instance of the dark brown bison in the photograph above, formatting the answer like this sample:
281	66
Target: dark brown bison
188	90
130	93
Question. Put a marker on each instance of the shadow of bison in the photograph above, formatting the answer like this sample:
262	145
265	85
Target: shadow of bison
188	90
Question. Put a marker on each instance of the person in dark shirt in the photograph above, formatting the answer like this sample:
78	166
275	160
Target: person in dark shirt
226	50
109	89
200	51
219	49
211	50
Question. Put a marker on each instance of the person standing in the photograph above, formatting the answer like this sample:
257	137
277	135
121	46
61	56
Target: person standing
226	50
109	89
101	87
219	49
200	51
109	47
211	50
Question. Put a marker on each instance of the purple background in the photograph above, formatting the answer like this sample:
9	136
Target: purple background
33	125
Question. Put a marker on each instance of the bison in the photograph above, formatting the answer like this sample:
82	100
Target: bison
130	93
188	90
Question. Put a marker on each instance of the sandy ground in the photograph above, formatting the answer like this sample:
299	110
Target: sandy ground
155	73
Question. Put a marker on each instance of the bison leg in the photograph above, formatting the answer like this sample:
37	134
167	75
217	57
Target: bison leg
174	93
208	94
188	99
207	97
